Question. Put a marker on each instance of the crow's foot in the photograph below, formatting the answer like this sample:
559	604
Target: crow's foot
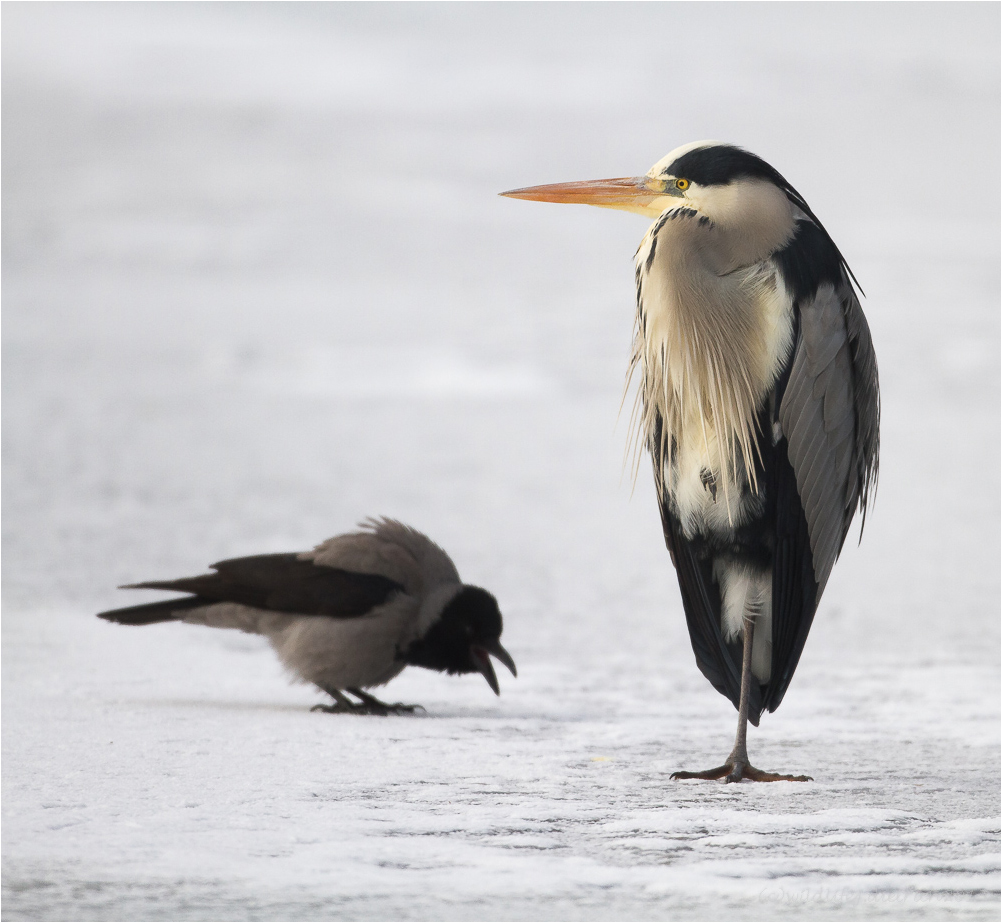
381	708
346	708
370	705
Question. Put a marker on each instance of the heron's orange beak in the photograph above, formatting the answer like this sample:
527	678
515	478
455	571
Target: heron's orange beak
631	193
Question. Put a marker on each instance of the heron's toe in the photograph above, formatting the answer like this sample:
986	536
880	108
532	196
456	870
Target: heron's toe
737	770
762	776
715	774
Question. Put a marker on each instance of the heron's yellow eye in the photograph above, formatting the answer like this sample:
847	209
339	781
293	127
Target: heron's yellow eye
682	184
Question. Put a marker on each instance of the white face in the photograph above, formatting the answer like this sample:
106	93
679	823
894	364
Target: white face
754	207
692	195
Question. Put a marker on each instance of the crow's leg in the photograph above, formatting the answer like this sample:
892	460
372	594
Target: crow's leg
341	704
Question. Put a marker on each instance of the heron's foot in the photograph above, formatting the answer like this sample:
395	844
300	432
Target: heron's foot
737	770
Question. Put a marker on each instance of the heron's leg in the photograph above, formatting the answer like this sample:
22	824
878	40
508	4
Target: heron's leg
387	708
737	767
739	756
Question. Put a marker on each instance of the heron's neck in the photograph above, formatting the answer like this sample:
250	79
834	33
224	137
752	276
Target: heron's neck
708	345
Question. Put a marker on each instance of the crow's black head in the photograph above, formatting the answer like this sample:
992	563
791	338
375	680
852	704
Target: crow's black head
460	640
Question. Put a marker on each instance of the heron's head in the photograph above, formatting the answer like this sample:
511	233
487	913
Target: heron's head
463	635
723	182
751	209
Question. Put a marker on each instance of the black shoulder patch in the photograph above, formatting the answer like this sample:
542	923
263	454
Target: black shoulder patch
808	261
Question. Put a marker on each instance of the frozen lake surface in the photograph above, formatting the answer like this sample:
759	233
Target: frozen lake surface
258	285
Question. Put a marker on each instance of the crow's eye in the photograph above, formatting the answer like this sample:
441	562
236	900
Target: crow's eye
682	184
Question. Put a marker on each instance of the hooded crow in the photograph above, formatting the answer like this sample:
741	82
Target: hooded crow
352	613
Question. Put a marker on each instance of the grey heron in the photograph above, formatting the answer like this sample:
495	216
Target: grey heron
758	403
351	613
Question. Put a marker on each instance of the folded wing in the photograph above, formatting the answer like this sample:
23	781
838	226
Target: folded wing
282	582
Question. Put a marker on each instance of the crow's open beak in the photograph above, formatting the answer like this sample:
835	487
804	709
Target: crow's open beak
479	655
495	649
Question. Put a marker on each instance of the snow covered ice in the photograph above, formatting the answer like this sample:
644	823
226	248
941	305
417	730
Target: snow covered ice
258	285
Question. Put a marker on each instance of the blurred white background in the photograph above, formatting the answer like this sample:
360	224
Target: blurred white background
258	284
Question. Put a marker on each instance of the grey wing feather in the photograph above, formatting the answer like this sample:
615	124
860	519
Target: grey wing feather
391	548
867	401
829	414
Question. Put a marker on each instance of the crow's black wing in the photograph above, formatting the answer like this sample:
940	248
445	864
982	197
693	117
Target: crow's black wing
287	583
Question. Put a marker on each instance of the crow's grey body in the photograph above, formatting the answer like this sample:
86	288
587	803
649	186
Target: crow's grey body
334	654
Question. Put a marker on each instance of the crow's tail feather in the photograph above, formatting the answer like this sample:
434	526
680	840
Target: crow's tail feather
148	613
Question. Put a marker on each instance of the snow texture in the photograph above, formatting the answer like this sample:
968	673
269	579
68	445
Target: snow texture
258	285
